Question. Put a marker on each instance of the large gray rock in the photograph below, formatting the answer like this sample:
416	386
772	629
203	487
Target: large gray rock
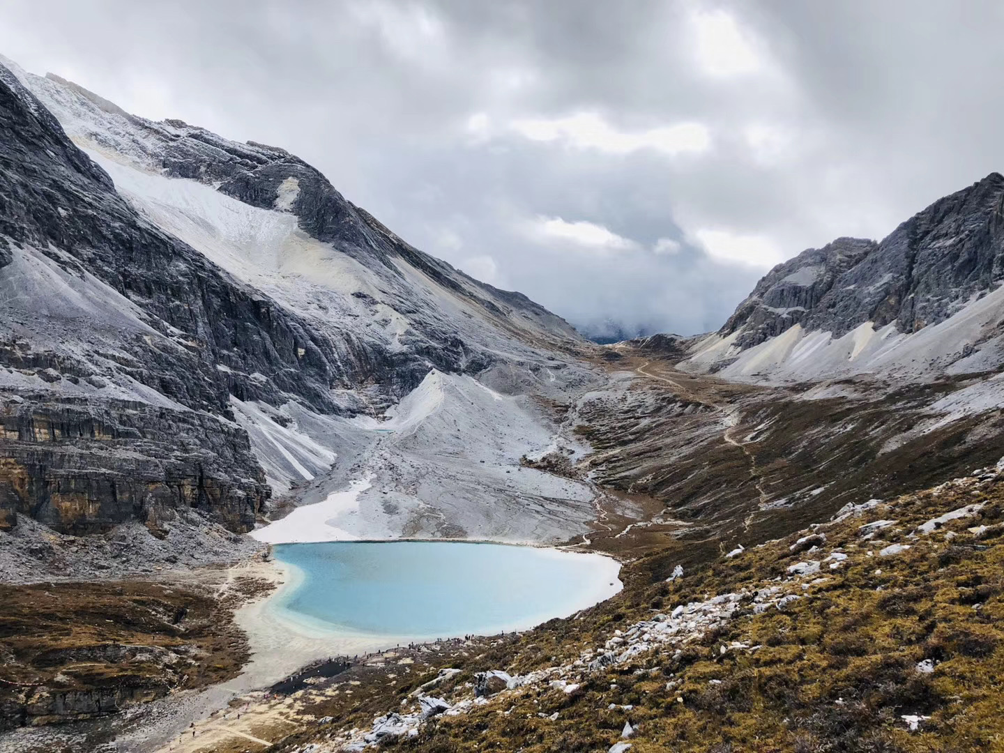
490	683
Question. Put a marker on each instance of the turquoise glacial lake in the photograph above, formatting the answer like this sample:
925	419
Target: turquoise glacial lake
426	590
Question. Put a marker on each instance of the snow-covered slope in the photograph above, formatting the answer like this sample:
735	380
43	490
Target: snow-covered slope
210	322
924	303
444	462
275	223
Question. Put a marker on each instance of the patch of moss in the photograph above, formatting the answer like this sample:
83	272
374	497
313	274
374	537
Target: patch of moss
77	650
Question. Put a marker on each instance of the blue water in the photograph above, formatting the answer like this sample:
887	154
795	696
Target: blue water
439	589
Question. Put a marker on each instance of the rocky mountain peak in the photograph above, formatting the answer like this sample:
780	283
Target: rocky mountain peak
922	273
792	291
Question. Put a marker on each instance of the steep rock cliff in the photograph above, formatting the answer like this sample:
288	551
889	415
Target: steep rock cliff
921	303
161	272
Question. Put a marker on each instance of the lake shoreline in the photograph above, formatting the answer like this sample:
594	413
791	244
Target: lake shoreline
283	641
280	646
577	581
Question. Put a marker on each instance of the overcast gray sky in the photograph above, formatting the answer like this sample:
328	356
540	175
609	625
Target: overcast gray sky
641	162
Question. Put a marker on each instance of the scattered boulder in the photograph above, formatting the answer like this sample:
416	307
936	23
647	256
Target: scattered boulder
432	706
868	530
925	667
893	549
807	542
389	725
804	568
936	523
489	683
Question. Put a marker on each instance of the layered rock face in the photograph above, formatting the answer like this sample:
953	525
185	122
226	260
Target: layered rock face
76	454
81	467
923	272
161	273
792	292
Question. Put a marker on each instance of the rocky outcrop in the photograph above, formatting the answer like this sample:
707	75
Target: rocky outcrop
923	272
661	345
82	468
491	682
791	292
56	200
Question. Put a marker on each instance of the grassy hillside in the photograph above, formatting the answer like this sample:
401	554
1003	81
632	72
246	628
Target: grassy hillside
901	627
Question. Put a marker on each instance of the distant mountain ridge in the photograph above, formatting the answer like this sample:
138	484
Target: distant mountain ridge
911	305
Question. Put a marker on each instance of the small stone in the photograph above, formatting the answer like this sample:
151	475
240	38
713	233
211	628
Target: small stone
925	667
913	721
893	549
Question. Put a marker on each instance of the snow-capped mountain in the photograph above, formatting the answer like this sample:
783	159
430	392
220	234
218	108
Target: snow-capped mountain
925	302
193	322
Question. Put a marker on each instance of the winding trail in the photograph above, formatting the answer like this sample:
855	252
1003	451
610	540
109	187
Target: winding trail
679	387
231	731
212	734
227	584
754	473
732	424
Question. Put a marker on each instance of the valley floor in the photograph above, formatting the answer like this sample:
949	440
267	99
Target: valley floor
878	630
724	481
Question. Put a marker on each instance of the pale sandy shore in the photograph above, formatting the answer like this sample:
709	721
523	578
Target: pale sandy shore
282	643
279	647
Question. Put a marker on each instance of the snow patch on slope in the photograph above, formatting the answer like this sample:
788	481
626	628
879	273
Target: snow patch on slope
805	276
40	287
967	342
453	450
323	521
60	309
286	196
259	246
286	453
415	407
443	462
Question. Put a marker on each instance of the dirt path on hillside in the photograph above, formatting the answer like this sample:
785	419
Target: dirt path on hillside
704	390
673	382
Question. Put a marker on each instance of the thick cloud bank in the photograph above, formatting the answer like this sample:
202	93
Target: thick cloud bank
632	167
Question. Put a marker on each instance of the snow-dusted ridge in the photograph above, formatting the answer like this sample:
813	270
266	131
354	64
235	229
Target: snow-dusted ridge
967	342
284	341
923	303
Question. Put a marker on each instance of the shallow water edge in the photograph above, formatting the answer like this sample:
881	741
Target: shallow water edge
419	591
